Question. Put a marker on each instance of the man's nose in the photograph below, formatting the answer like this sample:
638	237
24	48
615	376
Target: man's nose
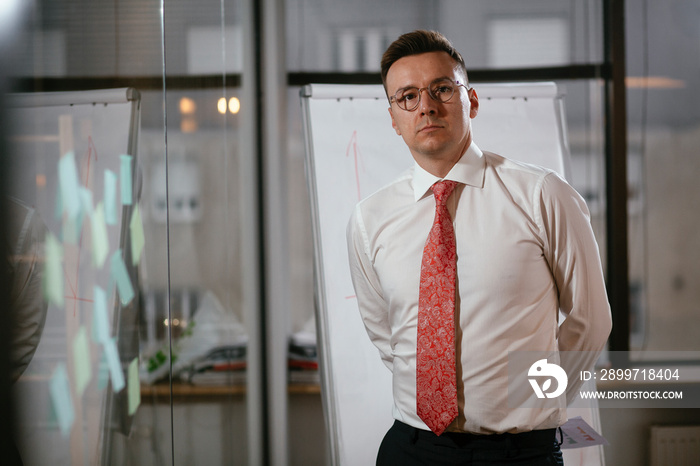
428	105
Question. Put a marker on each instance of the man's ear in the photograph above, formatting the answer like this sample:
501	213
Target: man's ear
474	101
393	122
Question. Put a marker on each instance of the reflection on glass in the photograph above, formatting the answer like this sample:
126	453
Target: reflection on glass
662	164
128	242
335	36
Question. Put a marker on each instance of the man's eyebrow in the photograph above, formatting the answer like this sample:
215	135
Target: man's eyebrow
409	86
401	89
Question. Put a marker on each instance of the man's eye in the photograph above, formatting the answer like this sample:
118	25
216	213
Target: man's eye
408	96
442	90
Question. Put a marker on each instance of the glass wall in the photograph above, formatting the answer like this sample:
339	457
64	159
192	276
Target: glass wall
135	234
330	35
663	68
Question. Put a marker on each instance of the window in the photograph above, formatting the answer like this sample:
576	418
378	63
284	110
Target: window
528	42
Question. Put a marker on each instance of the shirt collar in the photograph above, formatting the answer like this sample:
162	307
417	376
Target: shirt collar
468	170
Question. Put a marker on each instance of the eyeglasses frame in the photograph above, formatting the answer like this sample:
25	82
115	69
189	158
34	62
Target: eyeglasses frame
393	98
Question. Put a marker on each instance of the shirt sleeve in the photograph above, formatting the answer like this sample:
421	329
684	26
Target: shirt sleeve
574	258
371	302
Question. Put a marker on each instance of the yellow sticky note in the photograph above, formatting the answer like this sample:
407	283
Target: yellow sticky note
137	237
100	239
53	273
81	361
134	386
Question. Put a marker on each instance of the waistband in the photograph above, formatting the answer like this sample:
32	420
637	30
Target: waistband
535	438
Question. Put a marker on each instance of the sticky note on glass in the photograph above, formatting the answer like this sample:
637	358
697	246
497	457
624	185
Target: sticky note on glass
100	318
102	372
81	361
61	401
114	364
86	200
100	238
125	177
110	199
58	213
134	386
71	228
121	276
53	272
137	237
69	185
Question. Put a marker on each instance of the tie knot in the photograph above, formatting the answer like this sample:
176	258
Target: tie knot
442	190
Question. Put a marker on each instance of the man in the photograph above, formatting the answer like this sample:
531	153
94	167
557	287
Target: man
465	258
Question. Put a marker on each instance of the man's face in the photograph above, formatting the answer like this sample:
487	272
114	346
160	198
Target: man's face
437	133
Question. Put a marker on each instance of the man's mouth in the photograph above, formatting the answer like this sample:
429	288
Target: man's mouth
429	128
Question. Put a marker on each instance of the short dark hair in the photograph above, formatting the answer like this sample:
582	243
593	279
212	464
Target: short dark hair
415	43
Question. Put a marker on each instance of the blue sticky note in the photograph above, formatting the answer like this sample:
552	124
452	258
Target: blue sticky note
71	228
100	238
100	318
114	364
110	199
125	176
121	276
58	212
102	372
61	400
69	185
86	200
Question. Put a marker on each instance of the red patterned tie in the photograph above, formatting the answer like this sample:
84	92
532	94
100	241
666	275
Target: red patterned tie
436	381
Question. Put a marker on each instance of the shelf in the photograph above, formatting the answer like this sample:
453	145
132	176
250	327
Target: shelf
162	390
180	389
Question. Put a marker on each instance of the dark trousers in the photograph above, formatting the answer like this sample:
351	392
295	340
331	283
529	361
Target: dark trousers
404	445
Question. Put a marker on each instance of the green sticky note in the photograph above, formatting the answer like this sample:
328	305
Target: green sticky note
62	403
134	386
137	237
53	272
125	177
100	318
114	364
121	276
81	361
69	185
100	239
110	199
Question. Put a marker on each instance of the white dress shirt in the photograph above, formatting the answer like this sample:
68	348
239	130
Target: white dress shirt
525	250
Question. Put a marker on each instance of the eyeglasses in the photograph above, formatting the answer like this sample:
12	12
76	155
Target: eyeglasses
440	90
